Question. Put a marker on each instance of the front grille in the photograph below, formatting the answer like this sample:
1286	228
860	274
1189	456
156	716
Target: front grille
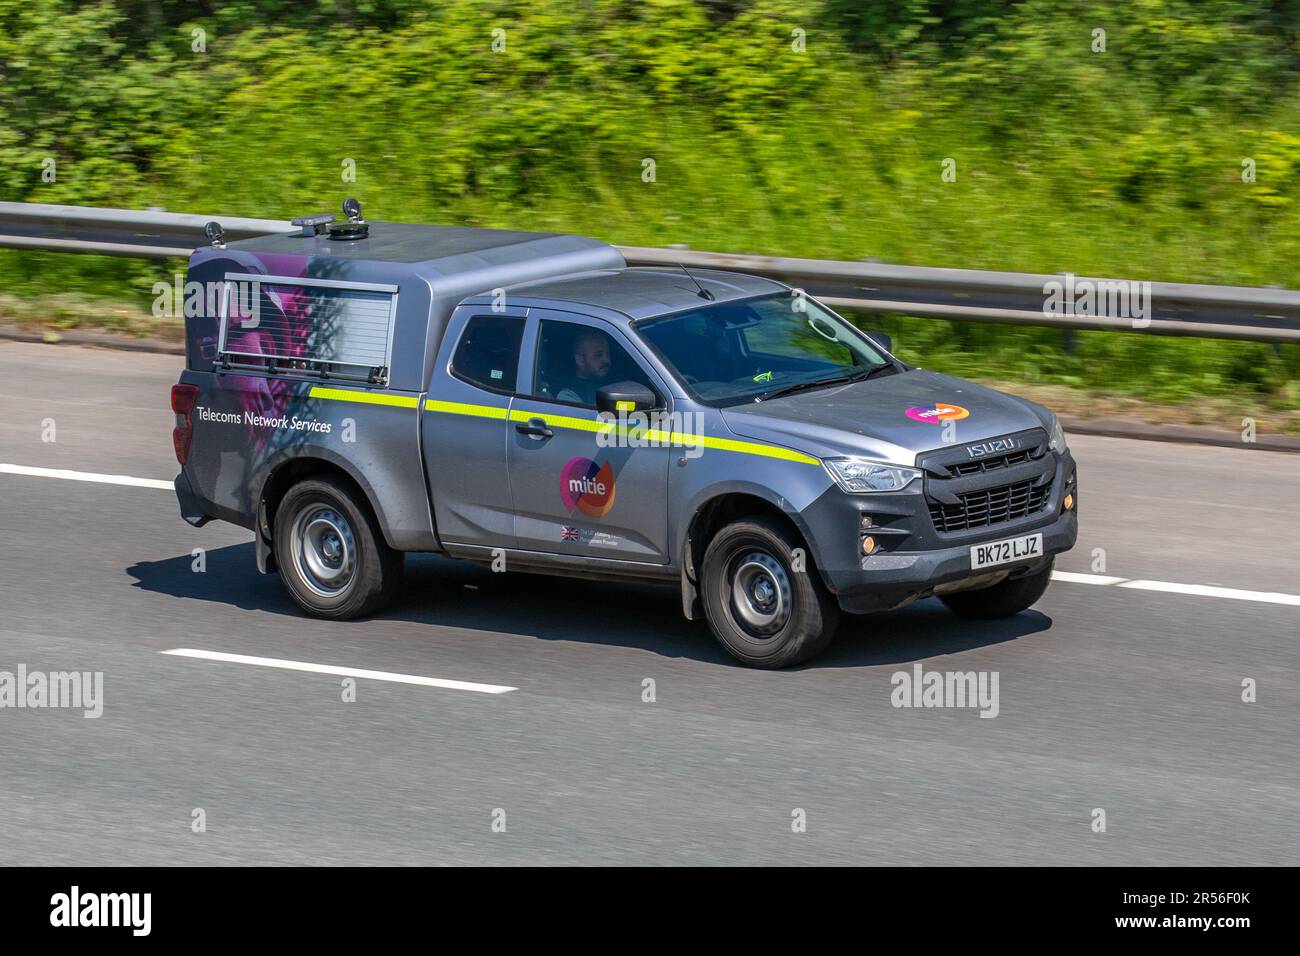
979	509
961	469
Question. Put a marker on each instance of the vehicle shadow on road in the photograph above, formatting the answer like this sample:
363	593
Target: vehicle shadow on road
446	593
919	631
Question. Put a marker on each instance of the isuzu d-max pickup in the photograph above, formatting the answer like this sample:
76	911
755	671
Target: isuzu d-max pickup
354	391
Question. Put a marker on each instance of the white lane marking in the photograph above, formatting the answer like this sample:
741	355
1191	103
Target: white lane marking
1073	578
340	671
1205	590
7	469
1198	590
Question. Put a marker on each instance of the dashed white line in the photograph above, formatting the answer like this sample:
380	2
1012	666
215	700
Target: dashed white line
7	469
1070	577
1205	590
340	671
1170	587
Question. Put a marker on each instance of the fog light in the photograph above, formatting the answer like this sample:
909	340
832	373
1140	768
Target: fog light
866	522
1069	502
868	544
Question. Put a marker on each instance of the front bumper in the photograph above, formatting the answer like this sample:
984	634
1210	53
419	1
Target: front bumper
890	580
914	558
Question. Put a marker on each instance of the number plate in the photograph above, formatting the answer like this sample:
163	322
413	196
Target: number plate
1004	552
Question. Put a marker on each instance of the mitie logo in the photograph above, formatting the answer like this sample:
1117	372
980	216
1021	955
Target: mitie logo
938	412
103	909
587	487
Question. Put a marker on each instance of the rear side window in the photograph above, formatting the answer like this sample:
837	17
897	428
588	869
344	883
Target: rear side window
307	326
488	352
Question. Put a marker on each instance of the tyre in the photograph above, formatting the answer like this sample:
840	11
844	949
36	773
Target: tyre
332	557
762	611
1003	599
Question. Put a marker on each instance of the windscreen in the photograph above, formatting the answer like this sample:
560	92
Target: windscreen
734	352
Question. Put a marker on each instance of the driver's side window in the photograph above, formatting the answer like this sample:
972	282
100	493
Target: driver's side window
573	361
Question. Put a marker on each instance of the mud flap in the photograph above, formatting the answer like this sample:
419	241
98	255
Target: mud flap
262	543
265	556
690	600
691	606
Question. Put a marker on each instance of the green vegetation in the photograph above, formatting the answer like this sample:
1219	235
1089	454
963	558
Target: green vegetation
1127	162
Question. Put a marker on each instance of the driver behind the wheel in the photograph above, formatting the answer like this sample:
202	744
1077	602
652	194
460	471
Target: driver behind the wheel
591	366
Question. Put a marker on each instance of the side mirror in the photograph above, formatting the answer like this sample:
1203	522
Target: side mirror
883	340
625	397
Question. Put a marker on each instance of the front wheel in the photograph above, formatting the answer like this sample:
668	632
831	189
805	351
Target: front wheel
763	611
1004	599
332	558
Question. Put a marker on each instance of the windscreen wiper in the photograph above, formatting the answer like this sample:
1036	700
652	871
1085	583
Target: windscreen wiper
825	382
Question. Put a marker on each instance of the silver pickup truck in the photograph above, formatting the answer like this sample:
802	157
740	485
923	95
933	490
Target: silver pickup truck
355	390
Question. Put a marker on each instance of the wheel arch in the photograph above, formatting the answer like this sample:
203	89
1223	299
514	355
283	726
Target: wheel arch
711	512
284	474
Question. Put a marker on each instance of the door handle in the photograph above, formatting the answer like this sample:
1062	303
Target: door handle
535	429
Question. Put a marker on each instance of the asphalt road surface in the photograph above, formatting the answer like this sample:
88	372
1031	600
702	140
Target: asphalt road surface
1121	691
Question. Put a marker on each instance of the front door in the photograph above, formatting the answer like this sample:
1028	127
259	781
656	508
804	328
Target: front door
574	492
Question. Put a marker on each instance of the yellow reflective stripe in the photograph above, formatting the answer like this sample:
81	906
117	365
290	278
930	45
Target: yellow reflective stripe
688	440
464	408
366	398
562	421
655	435
747	448
683	439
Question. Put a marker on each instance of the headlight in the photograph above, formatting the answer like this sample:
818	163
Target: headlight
1057	441
860	475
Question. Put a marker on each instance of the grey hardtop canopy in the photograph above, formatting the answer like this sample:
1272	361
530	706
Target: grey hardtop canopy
399	242
441	250
642	292
435	268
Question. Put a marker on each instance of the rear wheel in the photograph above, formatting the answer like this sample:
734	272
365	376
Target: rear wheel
1004	599
332	558
762	611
